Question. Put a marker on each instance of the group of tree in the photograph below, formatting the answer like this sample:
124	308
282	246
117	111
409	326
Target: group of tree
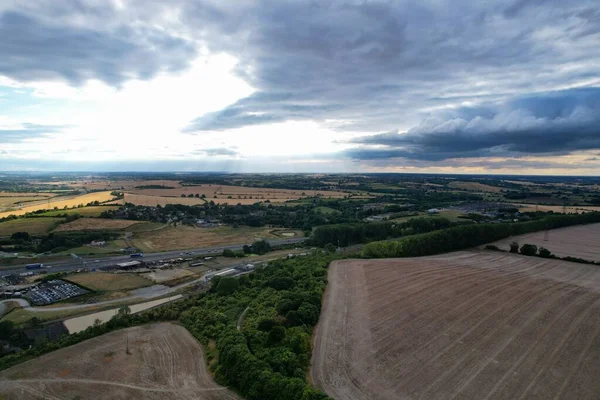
465	236
269	356
347	234
54	241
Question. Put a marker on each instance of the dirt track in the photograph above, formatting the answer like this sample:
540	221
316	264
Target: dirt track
166	362
581	241
466	325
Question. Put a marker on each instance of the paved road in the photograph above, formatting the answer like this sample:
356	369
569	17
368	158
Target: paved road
70	265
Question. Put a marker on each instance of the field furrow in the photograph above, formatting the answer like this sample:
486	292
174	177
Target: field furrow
464	325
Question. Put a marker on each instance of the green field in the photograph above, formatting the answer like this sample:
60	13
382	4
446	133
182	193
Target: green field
326	210
32	225
93	211
111	247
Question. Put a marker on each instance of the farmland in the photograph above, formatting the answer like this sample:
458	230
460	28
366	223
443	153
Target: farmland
165	362
575	241
146	200
102	281
556	209
219	194
61	202
474	186
10	200
185	237
89	224
92	211
31	225
465	325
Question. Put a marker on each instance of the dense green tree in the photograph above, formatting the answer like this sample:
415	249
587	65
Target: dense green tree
227	285
330	248
544	253
528	249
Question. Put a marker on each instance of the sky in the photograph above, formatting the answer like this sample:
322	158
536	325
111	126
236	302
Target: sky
481	87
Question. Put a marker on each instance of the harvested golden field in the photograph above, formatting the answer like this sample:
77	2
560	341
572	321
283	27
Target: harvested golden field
558	209
166	362
238	194
10	200
33	226
465	325
145	200
105	184
107	282
95	224
581	241
61	202
186	237
475	186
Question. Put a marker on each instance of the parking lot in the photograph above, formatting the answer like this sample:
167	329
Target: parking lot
53	291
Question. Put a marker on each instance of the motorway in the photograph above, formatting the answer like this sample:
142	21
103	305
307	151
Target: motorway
73	264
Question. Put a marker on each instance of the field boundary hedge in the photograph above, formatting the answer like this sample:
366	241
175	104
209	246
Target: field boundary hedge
465	236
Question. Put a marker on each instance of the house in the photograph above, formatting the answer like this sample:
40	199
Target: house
98	243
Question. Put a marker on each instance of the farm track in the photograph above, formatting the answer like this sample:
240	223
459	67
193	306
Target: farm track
464	325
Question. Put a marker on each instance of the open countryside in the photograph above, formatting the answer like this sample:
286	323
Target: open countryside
466	325
247	282
59	202
582	241
184	237
87	224
165	361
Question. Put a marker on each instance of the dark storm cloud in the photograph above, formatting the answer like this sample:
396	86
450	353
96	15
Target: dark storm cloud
28	131
551	123
380	65
36	49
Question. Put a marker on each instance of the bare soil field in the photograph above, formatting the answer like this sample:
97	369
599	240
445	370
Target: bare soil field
166	362
576	241
61	202
186	237
95	224
465	325
165	275
105	281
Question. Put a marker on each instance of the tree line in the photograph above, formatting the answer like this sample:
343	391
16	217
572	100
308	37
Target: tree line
465	236
348	234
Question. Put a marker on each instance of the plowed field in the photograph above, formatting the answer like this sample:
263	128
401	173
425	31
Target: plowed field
581	241
466	325
166	362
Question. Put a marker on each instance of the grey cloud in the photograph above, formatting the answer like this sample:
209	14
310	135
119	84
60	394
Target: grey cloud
379	65
28	131
36	49
550	123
